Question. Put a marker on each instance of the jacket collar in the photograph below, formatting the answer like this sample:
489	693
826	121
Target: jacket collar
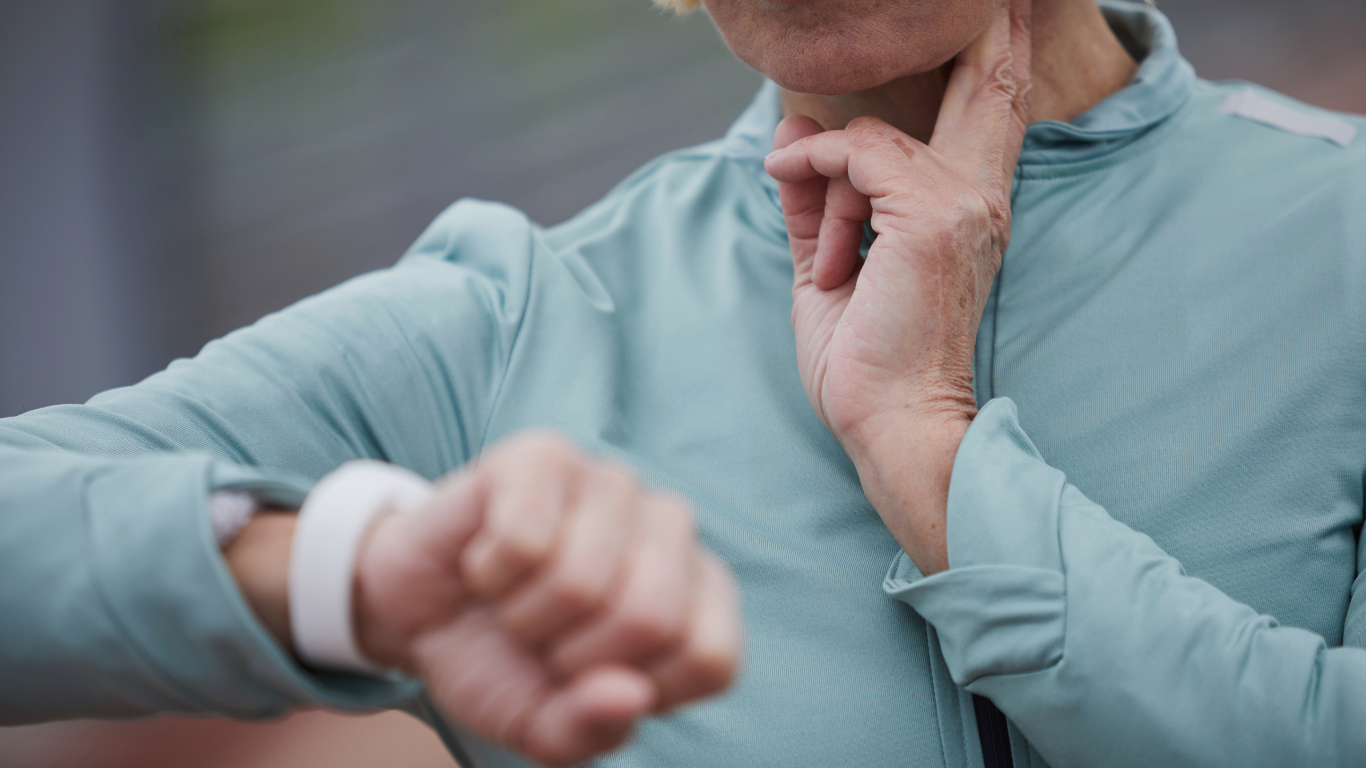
1161	85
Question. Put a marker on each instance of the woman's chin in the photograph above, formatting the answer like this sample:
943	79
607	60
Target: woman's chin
835	73
824	81
833	62
830	48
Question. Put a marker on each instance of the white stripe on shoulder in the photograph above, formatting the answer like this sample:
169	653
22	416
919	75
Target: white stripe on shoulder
1254	106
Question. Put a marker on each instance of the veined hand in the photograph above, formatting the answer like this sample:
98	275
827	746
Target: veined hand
885	345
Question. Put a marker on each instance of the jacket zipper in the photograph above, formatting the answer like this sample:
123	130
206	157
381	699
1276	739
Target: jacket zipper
991	731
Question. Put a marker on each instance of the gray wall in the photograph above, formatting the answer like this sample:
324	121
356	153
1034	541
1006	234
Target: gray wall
94	286
172	170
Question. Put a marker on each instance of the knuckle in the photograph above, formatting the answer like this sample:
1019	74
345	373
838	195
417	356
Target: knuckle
575	593
711	670
865	135
866	124
642	636
647	631
544	445
974	206
999	77
1000	220
558	450
969	212
519	549
615	475
992	211
677	513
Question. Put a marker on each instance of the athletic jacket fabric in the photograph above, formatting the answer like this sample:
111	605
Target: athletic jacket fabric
1153	524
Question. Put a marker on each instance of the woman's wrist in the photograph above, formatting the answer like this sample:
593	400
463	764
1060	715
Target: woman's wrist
905	462
938	408
258	558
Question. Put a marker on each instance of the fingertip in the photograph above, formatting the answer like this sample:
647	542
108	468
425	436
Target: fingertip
794	128
785	166
828	277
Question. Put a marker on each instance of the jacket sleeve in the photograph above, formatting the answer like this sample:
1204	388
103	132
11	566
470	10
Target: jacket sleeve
114	601
1093	641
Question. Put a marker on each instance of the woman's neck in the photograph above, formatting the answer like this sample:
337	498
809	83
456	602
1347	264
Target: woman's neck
1077	62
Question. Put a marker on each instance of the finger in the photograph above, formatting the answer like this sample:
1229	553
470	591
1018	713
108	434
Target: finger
841	234
983	116
586	562
595	713
709	657
531	482
875	157
477	677
645	617
447	522
803	201
822	154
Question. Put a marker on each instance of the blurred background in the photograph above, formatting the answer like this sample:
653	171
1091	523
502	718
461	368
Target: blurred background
173	169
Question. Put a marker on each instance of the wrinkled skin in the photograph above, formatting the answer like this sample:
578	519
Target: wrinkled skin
885	346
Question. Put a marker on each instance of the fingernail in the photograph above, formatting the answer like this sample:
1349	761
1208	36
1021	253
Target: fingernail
770	155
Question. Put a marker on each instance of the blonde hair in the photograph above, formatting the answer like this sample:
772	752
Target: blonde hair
678	6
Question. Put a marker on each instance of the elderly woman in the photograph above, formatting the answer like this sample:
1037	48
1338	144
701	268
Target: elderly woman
1176	325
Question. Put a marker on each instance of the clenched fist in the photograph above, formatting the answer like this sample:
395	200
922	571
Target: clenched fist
548	601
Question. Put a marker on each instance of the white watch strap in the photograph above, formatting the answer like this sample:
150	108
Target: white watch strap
332	522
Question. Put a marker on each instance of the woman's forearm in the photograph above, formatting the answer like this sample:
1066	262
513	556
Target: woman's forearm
1101	650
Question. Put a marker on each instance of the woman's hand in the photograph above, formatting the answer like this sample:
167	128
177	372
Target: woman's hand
548	601
885	346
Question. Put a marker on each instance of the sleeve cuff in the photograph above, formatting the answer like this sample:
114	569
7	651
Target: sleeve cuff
181	608
1001	606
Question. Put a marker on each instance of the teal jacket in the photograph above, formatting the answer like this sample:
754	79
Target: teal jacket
1153	524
